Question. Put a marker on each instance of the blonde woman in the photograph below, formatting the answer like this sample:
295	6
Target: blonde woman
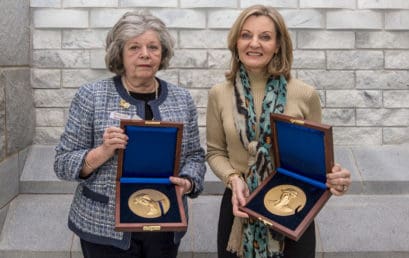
259	83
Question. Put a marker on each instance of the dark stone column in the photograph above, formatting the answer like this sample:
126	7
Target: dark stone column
17	121
17	114
15	32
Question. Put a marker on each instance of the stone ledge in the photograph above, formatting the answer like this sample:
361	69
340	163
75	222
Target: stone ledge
349	226
374	169
38	173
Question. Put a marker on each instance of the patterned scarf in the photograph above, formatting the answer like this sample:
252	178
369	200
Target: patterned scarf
258	240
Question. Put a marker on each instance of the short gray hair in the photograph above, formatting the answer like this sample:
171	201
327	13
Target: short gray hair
130	25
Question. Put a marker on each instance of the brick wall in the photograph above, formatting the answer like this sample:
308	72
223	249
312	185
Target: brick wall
355	52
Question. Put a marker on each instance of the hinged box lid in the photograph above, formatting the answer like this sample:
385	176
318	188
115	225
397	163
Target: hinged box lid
145	198
290	198
302	148
152	152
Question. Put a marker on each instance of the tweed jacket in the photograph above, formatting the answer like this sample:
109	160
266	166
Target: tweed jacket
93	109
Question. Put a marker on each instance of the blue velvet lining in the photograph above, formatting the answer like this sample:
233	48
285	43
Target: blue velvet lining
302	178
150	152
145	180
127	216
148	161
302	150
312	192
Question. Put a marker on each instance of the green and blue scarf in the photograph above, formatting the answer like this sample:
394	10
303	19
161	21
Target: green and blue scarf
258	240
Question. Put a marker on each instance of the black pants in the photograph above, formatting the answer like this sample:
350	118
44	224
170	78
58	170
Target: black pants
304	247
143	245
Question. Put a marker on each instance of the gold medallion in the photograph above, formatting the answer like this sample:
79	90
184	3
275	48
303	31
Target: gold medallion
149	203
285	200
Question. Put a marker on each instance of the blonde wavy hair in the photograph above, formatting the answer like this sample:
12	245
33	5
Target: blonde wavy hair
285	51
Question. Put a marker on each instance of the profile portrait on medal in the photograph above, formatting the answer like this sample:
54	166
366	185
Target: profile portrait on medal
149	203
138	46
146	201
284	200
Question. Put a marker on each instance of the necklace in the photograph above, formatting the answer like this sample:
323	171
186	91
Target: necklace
125	83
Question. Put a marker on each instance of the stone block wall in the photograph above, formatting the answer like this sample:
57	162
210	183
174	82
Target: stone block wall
355	52
17	110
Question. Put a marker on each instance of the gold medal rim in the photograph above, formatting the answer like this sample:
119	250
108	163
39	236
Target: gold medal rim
302	199
141	211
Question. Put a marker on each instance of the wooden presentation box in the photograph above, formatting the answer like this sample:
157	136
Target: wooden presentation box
146	200
290	198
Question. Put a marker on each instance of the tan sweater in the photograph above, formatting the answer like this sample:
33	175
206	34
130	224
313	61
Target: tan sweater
225	152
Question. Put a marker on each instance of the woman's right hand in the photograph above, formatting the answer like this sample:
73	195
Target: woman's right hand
240	192
113	138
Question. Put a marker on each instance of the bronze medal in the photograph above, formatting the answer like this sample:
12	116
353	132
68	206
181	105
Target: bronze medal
285	200
149	203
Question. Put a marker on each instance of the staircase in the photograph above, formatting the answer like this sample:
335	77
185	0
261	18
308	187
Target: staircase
370	221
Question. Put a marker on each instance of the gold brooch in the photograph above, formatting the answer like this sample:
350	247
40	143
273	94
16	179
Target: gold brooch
124	104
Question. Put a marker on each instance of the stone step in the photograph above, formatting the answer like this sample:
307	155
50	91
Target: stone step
38	173
358	226
374	169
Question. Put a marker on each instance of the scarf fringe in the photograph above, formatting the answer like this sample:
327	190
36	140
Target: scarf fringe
235	243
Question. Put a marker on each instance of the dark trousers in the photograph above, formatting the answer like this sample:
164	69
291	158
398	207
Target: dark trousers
143	245
304	247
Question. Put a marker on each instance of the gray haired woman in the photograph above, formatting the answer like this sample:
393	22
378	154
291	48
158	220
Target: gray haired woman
137	47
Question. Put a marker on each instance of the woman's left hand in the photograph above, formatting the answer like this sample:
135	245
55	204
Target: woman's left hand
184	185
339	180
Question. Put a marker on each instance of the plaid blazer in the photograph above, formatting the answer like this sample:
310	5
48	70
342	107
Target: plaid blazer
92	211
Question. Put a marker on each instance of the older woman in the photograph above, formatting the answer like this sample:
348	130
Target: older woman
137	47
260	77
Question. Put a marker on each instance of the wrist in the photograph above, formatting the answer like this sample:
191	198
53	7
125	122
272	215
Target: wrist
233	176
104	152
192	185
93	158
87	166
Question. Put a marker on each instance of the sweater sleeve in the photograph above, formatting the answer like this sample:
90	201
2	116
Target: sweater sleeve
217	155
313	105
303	101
